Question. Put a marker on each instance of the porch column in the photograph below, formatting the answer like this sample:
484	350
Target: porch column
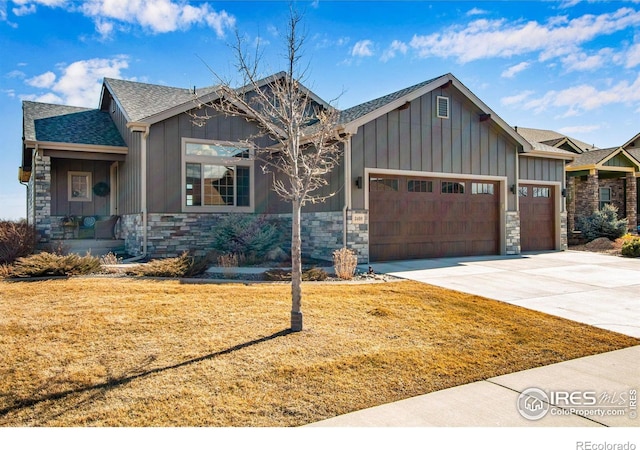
632	201
592	193
42	203
571	203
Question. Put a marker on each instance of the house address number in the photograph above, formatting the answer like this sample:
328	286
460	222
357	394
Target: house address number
358	218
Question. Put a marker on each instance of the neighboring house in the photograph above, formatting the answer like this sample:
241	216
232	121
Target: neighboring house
427	171
596	177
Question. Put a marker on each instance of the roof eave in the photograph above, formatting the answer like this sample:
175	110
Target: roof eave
549	155
80	147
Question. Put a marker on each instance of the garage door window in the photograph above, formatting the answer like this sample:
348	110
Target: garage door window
383	184
523	191
481	188
452	187
419	186
541	192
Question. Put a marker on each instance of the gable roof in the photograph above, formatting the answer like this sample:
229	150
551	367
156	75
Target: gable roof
553	139
598	158
139	101
358	115
631	143
45	122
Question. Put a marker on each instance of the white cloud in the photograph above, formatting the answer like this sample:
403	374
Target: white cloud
396	46
498	38
159	16
516	99
585	97
79	83
24	10
632	58
44	80
579	129
362	48
476	12
580	61
513	70
16	74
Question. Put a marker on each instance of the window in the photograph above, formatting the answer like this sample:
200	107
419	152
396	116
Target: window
442	107
452	187
523	191
541	192
217	175
605	197
383	184
482	188
79	186
419	186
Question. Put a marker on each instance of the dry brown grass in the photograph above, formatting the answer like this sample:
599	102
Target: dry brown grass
126	352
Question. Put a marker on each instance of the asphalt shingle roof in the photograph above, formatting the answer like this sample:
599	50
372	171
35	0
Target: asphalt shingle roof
69	124
591	157
550	137
142	100
355	112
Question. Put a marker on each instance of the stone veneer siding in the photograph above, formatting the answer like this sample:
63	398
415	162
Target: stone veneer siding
564	235
512	232
632	201
41	205
171	234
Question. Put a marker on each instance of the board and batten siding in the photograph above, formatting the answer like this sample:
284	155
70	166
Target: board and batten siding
415	139
540	169
60	204
164	153
129	171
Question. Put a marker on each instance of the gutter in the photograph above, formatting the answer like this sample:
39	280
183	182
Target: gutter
347	188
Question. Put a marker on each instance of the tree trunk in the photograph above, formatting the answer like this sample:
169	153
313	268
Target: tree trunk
296	268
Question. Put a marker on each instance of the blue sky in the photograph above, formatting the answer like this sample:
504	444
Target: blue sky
572	67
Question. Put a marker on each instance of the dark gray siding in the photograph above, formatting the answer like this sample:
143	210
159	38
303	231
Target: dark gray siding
415	139
60	204
540	169
129	171
165	160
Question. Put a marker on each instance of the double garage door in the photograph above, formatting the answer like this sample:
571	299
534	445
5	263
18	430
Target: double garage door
413	217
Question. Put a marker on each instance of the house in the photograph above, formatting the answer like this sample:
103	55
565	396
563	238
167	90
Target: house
427	171
595	176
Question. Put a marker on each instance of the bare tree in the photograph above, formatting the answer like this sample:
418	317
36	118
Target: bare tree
306	145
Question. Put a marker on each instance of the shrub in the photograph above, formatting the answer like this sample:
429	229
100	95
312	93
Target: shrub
176	267
603	223
49	264
17	239
631	248
252	236
345	262
313	274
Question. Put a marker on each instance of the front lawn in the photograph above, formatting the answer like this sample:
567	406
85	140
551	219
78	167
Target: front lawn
127	352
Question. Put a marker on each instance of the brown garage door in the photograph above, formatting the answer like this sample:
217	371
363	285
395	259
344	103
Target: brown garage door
537	217
411	217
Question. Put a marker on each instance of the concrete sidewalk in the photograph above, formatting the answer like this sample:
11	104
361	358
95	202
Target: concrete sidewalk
494	402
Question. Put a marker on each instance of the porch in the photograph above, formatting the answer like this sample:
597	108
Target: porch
96	247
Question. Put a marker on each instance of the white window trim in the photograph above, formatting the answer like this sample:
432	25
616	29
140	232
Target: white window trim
217	160
70	176
440	98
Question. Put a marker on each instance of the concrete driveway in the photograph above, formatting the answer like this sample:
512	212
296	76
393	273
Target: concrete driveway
592	288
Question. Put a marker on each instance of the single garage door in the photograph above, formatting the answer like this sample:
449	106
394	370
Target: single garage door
412	217
537	217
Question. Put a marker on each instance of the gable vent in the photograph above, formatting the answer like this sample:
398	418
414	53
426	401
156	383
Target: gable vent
442	107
